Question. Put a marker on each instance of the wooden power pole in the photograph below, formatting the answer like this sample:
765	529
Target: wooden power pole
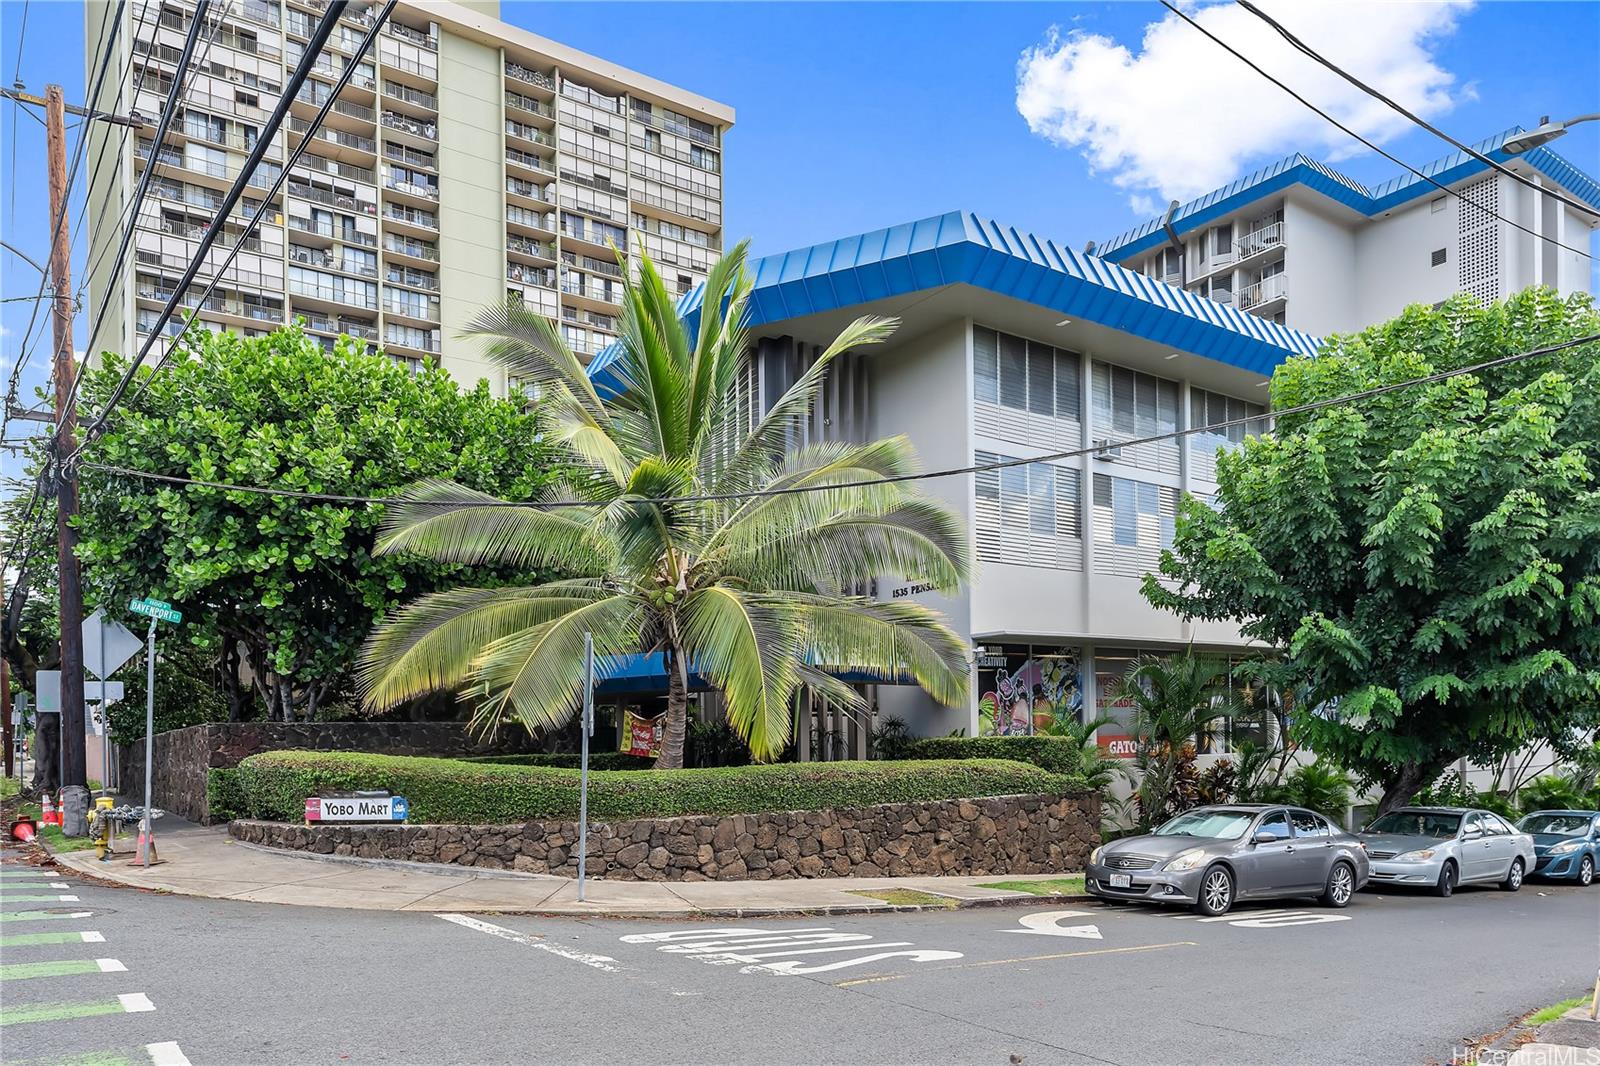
73	771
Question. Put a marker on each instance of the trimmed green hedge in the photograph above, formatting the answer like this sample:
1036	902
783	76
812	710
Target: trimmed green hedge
277	783
598	760
1055	754
225	797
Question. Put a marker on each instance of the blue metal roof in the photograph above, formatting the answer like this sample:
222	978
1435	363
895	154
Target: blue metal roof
647	672
1303	170
961	248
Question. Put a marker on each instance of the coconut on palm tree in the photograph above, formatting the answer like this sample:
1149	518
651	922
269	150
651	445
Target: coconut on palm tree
686	527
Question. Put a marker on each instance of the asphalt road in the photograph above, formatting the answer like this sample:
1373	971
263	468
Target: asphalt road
1393	979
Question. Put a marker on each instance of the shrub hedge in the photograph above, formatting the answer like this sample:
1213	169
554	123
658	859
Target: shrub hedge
225	797
598	760
1055	754
276	784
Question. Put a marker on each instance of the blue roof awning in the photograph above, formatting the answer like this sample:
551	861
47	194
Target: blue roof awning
647	673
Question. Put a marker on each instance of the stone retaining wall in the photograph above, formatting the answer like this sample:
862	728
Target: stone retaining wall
1000	835
183	757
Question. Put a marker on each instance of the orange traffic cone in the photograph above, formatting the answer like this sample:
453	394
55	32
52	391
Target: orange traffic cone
139	850
47	813
23	830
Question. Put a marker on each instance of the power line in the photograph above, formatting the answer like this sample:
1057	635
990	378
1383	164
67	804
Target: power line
1418	120
975	468
1346	129
104	67
283	176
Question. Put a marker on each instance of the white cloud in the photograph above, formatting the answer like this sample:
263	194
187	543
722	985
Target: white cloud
1180	116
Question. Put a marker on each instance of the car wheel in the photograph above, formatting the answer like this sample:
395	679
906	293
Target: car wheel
1513	879
1586	871
1341	886
1447	881
1216	892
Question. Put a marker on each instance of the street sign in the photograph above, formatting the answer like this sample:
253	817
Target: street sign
107	644
357	807
155	609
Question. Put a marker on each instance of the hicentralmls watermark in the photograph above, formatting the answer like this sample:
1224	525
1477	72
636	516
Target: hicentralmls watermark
1529	1055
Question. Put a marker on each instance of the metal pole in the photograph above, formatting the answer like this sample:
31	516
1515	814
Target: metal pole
585	728
105	716
149	736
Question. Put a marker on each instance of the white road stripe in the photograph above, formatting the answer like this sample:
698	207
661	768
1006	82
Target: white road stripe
166	1054
1237	915
598	962
90	936
136	1002
111	966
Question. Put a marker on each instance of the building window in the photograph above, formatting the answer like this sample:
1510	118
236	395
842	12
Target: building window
1133	521
1128	405
1026	392
1027	514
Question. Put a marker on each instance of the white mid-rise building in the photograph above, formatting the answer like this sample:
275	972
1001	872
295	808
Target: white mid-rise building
1301	244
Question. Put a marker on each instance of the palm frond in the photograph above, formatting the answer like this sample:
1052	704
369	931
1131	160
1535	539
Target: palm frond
430	644
530	347
451	523
889	638
752	652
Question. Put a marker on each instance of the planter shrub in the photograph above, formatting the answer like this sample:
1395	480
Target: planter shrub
1055	754
225	797
276	785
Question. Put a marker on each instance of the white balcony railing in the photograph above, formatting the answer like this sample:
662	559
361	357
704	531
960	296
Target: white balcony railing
1264	291
1259	240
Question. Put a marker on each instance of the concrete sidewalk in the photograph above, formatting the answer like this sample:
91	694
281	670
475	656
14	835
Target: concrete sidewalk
204	861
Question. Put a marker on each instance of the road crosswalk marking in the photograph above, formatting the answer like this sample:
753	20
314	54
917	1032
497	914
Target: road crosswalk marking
87	936
41	916
39	899
128	1003
166	1054
22	971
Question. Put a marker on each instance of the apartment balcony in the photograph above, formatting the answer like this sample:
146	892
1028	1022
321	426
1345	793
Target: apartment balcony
331	198
527	105
405	215
412	188
323	259
529	76
519	245
532	134
416	279
538	221
1265	239
415	339
592	265
260	11
529	161
1264	295
328	324
425	71
400	31
348	171
395	91
661	122
426	311
424	130
529	190
543	277
360	146
316	97
396	245
327	230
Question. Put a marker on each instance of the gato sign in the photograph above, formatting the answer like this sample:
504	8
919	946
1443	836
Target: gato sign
356	808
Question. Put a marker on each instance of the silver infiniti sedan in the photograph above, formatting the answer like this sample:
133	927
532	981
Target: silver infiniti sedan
1209	857
1439	848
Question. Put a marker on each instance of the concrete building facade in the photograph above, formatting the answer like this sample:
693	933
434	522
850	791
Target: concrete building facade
1299	243
468	160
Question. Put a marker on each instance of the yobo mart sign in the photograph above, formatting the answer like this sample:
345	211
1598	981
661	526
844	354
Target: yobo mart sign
356	807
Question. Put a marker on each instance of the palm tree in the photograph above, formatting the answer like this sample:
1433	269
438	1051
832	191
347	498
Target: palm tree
1176	701
702	537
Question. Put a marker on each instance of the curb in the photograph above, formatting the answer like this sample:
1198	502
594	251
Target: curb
118	878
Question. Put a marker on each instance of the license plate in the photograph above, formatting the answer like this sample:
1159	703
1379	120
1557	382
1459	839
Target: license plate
1121	880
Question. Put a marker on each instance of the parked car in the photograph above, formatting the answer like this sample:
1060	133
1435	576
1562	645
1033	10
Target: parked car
1566	843
1439	848
1210	857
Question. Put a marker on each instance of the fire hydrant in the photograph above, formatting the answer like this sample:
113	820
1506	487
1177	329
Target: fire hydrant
102	827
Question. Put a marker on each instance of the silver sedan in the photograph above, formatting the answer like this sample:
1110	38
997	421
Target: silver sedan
1439	848
1211	856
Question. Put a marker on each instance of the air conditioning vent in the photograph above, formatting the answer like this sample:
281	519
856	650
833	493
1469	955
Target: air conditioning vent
1438	257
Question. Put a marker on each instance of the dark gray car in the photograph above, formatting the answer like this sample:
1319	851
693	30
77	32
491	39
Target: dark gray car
1210	857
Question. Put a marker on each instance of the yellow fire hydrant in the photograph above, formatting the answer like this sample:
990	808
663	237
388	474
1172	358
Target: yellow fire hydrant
102	826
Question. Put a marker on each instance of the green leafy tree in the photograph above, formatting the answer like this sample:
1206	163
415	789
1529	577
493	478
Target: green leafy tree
290	585
1429	559
754	593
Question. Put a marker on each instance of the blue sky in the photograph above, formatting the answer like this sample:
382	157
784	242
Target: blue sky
853	116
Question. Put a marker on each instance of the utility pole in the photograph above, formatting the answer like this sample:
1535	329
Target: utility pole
75	793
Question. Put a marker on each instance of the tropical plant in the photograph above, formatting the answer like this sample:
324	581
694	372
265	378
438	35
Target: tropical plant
1217	782
1094	765
689	528
1427	559
892	739
1550	792
1175	701
1318	786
